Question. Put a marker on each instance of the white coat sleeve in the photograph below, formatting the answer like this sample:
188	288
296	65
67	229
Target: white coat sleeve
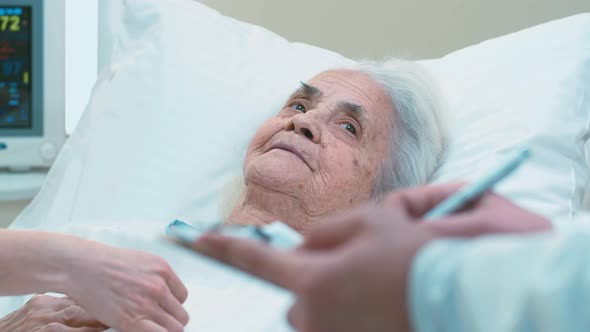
531	283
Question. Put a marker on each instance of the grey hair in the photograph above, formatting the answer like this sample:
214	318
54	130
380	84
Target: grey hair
418	139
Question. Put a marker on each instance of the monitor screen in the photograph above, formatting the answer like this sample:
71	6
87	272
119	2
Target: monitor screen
32	88
16	40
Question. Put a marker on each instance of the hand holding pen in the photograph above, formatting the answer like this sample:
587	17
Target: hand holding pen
356	266
352	271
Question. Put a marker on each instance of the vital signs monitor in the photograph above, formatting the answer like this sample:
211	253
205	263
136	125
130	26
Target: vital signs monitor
32	83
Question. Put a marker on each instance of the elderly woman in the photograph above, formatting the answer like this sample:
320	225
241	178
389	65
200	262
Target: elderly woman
343	139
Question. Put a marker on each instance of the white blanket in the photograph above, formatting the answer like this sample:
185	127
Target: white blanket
220	298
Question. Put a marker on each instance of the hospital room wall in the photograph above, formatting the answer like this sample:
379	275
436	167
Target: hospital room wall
379	28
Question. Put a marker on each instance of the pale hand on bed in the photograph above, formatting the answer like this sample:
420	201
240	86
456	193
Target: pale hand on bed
45	313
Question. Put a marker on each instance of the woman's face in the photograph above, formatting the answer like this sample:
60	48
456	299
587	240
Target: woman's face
326	145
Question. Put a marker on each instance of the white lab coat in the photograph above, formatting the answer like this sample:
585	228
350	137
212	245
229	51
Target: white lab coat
535	283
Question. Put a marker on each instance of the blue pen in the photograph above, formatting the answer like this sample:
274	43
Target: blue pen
477	188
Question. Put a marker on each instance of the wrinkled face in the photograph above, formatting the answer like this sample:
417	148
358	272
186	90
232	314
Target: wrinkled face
326	145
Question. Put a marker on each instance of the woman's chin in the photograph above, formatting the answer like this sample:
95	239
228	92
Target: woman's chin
277	175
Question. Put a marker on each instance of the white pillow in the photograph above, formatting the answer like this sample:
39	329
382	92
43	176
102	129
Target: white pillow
530	87
169	119
168	123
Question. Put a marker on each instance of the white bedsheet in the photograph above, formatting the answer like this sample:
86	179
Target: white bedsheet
220	299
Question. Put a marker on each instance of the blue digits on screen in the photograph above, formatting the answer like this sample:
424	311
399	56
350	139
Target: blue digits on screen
12	68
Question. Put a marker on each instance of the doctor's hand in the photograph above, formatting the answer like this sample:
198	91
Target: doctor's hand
125	289
490	214
350	274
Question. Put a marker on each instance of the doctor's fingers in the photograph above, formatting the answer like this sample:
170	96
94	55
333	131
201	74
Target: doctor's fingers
335	230
171	305
296	316
155	320
476	223
417	201
146	325
277	266
160	270
164	319
176	286
156	312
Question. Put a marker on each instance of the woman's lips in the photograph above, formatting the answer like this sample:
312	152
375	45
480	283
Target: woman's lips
289	148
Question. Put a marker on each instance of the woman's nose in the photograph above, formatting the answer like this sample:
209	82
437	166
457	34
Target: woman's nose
305	125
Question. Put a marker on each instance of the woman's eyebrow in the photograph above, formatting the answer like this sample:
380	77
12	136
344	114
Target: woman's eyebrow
311	90
356	110
307	91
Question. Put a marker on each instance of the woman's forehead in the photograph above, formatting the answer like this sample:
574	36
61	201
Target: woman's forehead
351	85
344	86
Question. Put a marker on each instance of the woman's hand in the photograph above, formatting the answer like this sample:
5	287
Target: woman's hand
125	289
45	313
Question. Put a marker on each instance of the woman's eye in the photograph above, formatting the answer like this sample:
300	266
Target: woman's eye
350	128
299	108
